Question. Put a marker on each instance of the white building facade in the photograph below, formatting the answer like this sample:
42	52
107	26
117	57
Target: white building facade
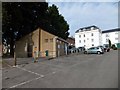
88	37
112	35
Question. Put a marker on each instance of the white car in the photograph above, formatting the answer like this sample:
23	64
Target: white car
94	50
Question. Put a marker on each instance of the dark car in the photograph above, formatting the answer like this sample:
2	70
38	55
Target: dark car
106	47
72	49
81	48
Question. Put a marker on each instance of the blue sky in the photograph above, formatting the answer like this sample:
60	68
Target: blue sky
80	14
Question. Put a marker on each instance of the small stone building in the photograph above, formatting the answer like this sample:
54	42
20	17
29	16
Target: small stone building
41	44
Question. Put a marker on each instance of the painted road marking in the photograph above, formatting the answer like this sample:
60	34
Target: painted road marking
8	65
30	71
31	80
26	82
40	76
25	70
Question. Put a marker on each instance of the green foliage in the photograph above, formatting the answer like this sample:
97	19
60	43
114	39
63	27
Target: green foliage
114	47
56	23
109	43
21	18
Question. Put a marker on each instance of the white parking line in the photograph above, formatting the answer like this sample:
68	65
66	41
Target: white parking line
26	82
26	70
8	65
30	71
30	80
40	76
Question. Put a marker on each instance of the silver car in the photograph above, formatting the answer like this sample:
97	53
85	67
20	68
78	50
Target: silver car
94	50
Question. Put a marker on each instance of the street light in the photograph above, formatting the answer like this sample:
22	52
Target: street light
15	60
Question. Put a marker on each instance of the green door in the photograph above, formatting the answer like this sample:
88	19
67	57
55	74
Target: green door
46	52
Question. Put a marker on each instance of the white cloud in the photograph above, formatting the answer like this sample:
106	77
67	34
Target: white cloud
82	14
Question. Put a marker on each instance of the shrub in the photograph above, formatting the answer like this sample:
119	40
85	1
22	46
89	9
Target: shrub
114	47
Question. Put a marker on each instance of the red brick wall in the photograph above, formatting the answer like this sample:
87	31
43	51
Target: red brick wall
71	41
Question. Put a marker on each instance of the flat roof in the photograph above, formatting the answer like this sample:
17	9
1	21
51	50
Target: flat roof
61	39
111	30
87	28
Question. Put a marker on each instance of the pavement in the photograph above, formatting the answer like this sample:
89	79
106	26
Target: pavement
72	71
6	62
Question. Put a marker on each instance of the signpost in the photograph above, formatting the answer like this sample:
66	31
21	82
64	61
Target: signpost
15	60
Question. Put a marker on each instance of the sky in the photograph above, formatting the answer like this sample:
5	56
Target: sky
79	13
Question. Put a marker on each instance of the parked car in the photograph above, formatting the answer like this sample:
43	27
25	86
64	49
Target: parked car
81	48
94	50
106	47
72	49
102	47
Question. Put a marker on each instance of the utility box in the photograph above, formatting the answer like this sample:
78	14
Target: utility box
118	45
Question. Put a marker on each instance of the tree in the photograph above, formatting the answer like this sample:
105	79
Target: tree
21	18
56	23
113	46
109	43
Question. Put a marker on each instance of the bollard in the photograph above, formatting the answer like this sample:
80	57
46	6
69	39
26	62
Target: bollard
15	60
35	57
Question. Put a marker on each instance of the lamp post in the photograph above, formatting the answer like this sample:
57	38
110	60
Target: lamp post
15	60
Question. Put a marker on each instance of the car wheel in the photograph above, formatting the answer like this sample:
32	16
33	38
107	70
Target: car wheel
98	52
85	52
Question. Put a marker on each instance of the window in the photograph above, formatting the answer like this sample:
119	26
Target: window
60	41
51	40
79	41
46	40
92	40
92	28
84	35
84	29
97	48
107	35
84	40
91	48
58	46
92	34
106	40
116	38
79	35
